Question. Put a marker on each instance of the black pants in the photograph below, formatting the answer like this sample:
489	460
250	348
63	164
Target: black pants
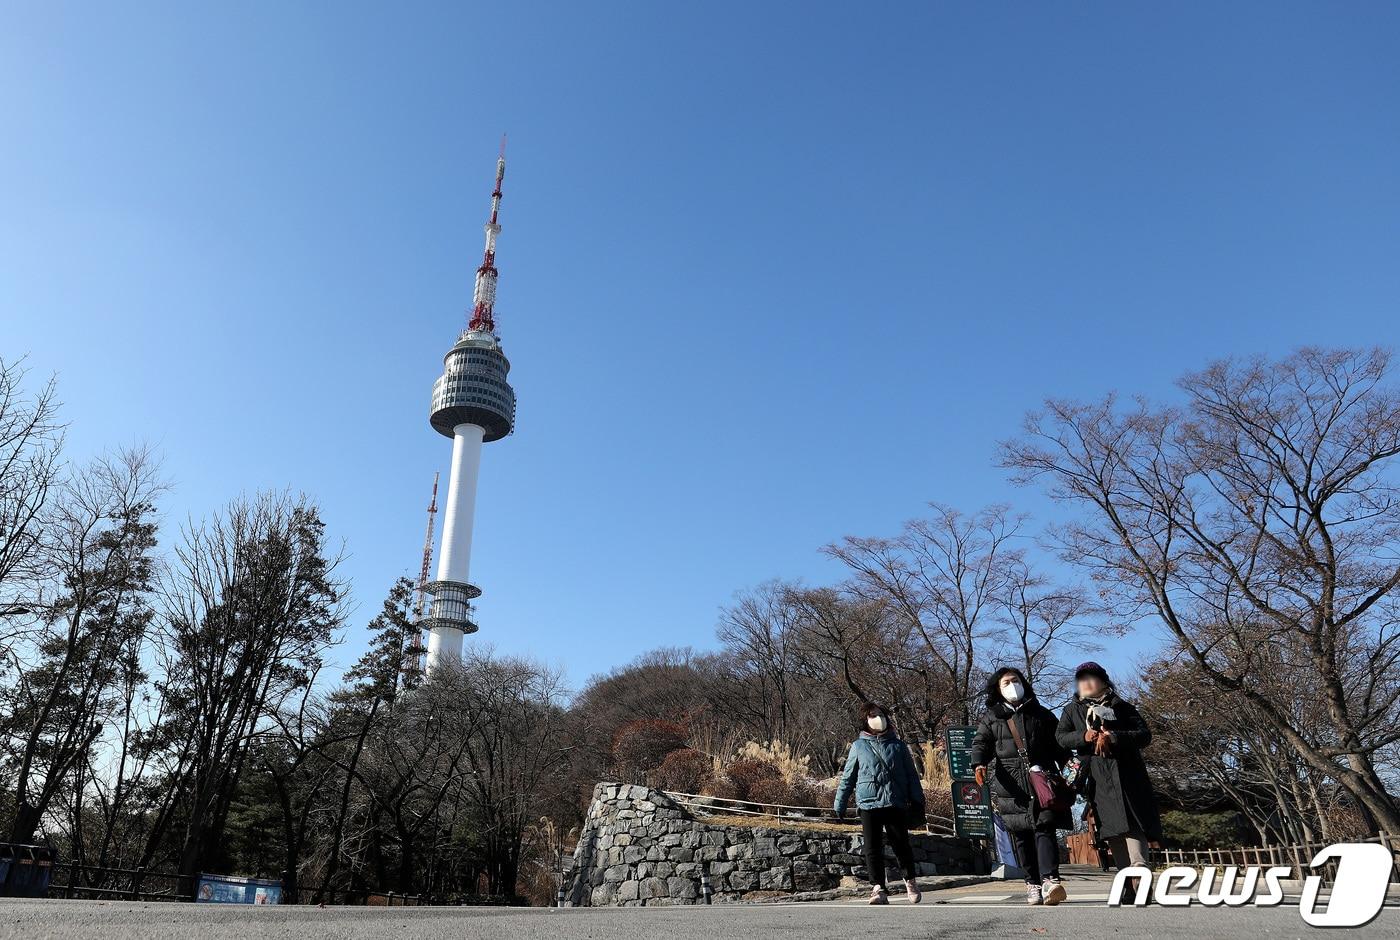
1037	853
875	824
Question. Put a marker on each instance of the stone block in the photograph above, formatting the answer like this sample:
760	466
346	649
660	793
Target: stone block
627	890
814	880
653	888
678	887
791	845
775	879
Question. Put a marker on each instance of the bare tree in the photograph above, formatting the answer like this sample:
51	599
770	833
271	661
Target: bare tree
251	605
515	749
99	534
759	632
941	577
1211	747
1263	512
1043	620
31	441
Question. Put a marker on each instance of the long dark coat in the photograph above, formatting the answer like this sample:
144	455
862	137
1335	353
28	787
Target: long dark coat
994	747
1116	786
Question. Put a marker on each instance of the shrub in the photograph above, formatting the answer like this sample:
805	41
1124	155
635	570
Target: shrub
640	746
770	791
1201	830
683	770
747	773
719	785
812	793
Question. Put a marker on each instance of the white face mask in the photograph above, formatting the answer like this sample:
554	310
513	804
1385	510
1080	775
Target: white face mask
877	724
1013	691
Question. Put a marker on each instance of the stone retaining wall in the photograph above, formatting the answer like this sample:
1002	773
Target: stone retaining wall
639	847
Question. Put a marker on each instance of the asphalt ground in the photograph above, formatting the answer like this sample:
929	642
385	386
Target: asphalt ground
984	911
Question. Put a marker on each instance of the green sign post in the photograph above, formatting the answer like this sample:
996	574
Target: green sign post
959	747
972	805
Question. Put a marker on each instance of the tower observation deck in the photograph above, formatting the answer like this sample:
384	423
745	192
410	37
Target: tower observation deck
473	404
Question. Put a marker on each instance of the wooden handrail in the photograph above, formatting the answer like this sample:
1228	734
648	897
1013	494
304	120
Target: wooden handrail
757	808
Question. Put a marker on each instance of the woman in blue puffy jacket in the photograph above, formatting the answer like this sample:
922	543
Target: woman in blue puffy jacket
880	770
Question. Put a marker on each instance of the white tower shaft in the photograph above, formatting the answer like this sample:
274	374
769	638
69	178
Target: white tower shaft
454	561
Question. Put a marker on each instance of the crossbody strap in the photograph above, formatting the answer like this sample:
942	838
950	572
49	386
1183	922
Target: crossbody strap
1020	744
880	759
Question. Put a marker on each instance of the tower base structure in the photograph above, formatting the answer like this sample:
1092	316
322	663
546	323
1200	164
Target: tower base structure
449	621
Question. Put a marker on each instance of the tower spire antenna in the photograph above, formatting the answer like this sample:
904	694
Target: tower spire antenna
484	297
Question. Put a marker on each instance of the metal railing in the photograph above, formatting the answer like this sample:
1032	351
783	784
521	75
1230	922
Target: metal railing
91	882
720	806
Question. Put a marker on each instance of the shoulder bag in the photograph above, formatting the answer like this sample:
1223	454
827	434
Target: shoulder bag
1049	789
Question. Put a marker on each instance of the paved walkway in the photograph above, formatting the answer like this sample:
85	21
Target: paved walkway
967	918
980	911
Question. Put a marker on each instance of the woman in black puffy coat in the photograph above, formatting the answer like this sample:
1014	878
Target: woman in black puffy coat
1109	735
996	757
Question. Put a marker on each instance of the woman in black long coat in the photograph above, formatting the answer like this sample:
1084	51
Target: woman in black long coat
996	756
1108	734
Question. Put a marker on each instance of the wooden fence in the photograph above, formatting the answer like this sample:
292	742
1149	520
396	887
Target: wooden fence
1295	857
700	804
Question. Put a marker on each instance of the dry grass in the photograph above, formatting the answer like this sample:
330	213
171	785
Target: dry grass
794	767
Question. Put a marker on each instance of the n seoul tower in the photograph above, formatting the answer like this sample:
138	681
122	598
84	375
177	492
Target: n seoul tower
473	404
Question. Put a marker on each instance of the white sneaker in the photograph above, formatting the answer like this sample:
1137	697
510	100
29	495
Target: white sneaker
912	888
1033	894
1052	892
878	895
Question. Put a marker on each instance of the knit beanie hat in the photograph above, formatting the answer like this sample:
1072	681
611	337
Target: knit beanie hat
1092	668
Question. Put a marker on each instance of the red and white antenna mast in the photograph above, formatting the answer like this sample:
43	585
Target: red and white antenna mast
414	657
483	317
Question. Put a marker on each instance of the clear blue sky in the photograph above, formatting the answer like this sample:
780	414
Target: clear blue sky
770	273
